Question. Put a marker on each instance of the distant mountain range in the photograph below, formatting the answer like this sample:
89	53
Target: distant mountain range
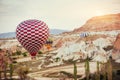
13	35
57	31
7	35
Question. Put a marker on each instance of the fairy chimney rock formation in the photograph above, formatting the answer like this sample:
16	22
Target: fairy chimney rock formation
116	50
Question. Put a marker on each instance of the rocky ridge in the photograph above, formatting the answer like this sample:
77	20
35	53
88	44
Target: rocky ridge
101	23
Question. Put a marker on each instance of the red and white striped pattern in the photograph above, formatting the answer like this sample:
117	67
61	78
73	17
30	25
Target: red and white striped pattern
32	34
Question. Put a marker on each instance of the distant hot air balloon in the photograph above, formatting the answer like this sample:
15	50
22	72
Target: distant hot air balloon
48	43
84	34
32	34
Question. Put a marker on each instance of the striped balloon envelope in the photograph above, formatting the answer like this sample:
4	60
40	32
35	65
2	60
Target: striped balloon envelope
32	34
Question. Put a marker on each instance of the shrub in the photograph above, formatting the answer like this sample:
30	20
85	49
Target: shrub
24	54
40	52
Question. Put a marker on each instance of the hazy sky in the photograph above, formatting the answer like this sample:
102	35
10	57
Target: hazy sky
59	14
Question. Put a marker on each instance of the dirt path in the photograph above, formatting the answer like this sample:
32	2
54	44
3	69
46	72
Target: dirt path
67	68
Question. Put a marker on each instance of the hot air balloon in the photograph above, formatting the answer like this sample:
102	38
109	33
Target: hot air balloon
48	44
84	34
32	34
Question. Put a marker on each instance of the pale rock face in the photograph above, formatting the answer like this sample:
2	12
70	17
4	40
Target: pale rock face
93	49
116	55
100	58
9	43
118	61
101	42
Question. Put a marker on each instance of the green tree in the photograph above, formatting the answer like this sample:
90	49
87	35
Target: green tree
109	70
0	73
40	52
103	69
24	54
75	67
5	70
87	68
22	72
57	59
75	70
97	77
18	52
11	70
